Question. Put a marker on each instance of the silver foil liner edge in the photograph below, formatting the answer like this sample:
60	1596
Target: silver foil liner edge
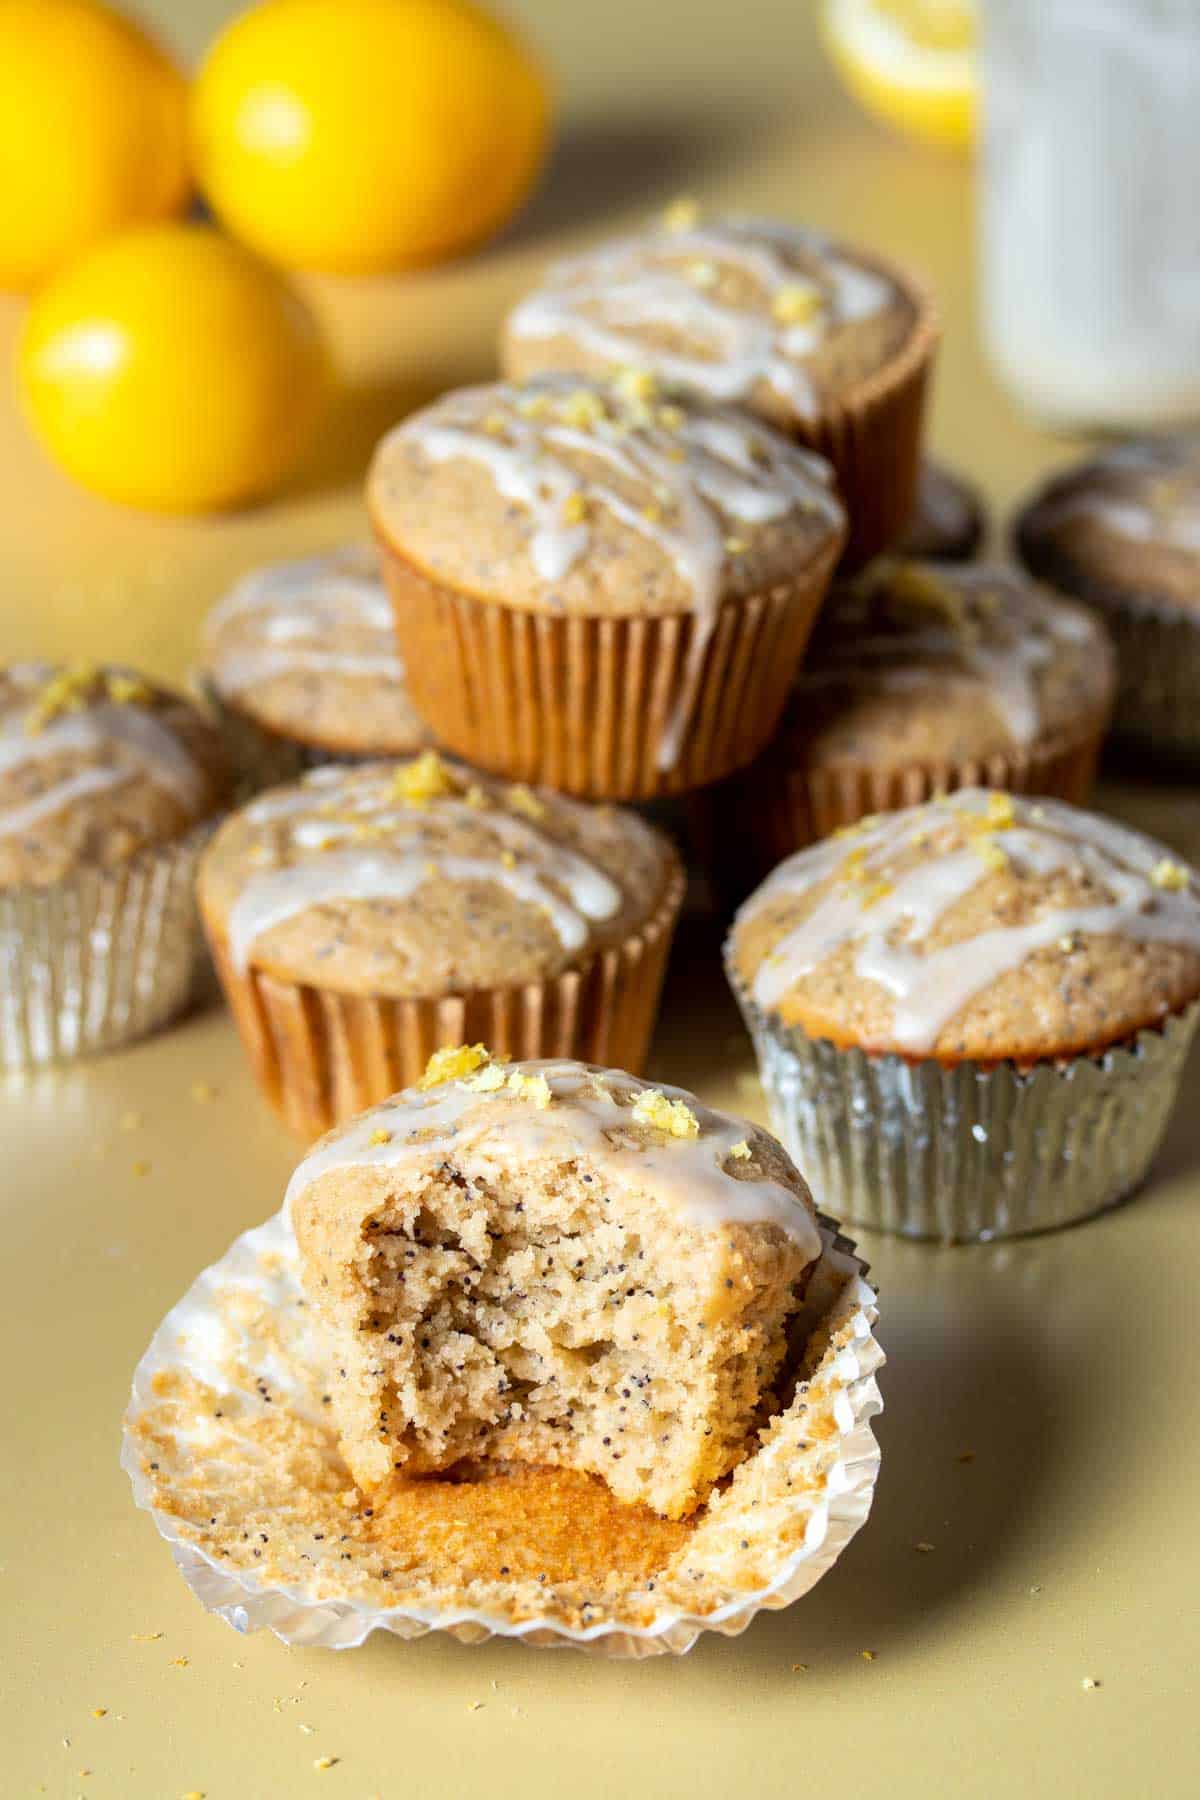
968	1153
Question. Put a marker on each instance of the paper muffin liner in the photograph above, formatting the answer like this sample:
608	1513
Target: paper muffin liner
226	1414
777	807
873	435
320	1056
1158	683
582	704
967	1153
101	957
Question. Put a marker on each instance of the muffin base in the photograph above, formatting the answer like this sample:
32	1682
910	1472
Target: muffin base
99	958
968	1153
773	809
321	1056
766	1539
582	704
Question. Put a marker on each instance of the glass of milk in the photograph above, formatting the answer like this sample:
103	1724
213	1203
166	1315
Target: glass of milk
1090	207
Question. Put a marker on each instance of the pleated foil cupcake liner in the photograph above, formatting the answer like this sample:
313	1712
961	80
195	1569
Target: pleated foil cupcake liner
969	1153
583	704
773	809
320	1056
873	438
100	958
236	1369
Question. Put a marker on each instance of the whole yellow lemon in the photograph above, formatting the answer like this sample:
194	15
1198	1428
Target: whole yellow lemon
171	369
93	132
362	135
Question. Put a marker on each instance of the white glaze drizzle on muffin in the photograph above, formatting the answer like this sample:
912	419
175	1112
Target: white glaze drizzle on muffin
607	300
366	834
679	473
886	923
46	713
708	1165
289	617
1000	631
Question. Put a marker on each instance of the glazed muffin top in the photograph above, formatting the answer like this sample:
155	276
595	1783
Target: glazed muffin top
96	763
308	649
570	495
920	662
751	311
950	518
424	878
981	926
1125	524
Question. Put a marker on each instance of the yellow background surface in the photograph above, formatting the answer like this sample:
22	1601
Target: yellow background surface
1065	1550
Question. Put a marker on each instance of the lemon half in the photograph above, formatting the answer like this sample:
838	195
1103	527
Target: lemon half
911	63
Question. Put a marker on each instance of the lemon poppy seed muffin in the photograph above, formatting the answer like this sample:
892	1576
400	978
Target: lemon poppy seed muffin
1121	532
106	783
991	995
921	678
596	587
552	1263
949	521
304	653
368	914
96	764
828	343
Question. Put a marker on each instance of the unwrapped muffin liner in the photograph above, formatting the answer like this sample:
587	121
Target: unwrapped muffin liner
583	704
321	1056
965	1153
99	958
773	809
873	437
239	1356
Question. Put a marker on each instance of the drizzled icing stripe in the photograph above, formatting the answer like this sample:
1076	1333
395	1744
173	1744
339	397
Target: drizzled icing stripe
395	871
1133	517
931	987
293	614
1004	654
159	755
750	474
603	301
586	1117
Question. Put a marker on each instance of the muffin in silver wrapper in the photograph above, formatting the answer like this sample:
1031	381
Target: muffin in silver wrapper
968	1153
1158	691
100	957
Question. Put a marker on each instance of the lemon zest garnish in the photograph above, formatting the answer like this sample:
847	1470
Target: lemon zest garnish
638	386
736	546
797	303
741	1151
878	890
451	1063
671	1116
522	799
671	417
1000	811
682	214
575	508
380	1136
533	1088
423	779
507	859
992	856
702	274
475	796
488	1080
582	407
1171	876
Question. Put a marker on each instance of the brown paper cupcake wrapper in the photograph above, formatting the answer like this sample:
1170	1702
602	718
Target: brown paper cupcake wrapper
99	958
583	704
968	1153
321	1056
748	825
242	1334
873	438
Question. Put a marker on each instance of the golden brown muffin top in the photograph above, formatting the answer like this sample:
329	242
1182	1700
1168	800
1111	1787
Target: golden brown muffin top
96	763
920	662
982	926
950	519
568	495
424	878
755	312
308	649
1125	524
656	1144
